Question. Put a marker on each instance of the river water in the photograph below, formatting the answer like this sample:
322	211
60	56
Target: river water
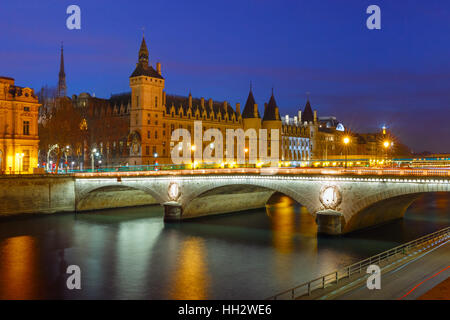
131	254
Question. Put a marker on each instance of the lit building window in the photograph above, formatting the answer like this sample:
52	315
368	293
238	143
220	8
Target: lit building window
26	128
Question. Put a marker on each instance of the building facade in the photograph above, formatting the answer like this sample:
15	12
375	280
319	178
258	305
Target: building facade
19	140
135	128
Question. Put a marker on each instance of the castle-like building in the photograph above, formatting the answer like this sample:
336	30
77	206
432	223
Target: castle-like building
135	128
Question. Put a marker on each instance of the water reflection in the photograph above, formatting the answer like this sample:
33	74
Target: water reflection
17	273
130	253
191	276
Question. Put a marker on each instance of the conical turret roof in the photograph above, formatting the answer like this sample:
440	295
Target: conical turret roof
307	114
271	112
249	109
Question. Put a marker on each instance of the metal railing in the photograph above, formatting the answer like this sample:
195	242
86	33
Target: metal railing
333	278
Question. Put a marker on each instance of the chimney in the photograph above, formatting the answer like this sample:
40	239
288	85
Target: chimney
300	116
255	110
238	107
190	100
315	116
158	67
210	104
202	103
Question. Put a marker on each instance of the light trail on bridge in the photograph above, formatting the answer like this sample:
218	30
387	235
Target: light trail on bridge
276	171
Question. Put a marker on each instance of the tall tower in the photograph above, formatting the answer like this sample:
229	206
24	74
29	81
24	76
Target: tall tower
271	120
250	115
62	89
146	117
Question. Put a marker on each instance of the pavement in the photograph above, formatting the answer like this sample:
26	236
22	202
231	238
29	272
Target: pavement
408	281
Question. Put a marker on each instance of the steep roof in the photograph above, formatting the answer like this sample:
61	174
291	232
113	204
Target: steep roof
249	109
142	67
145	70
307	114
271	112
143	51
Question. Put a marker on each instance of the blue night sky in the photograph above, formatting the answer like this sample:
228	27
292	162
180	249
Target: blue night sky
398	76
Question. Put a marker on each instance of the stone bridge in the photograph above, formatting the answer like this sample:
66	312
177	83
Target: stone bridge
340	203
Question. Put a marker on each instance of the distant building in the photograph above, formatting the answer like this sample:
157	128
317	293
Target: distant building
19	140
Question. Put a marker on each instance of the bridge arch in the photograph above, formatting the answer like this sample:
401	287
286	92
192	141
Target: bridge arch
231	195
388	203
115	195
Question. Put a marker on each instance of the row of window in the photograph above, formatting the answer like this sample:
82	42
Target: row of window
154	153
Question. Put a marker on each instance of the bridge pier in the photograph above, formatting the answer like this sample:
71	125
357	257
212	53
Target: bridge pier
329	222
172	211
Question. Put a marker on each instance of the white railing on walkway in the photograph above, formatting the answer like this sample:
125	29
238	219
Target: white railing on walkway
333	278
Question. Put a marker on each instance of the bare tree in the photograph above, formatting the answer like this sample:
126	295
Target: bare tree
61	130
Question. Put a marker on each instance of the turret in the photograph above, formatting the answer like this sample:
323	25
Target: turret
250	114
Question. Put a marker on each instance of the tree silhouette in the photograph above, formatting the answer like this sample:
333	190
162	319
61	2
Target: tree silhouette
61	129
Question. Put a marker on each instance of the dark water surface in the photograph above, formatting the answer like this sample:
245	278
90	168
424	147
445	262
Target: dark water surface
131	254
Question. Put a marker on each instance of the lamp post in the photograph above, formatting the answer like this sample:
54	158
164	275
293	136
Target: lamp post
48	155
155	155
193	148
386	145
93	152
346	142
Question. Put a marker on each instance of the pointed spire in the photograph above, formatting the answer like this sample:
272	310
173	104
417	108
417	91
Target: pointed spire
249	108
272	111
307	114
62	89
142	67
61	67
143	52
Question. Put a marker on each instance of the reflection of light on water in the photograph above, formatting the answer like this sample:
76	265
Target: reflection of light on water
191	279
307	226
442	201
17	268
288	227
134	247
282	217
286	224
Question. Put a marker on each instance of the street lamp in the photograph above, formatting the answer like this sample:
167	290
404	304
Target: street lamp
346	142
386	145
48	155
94	152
